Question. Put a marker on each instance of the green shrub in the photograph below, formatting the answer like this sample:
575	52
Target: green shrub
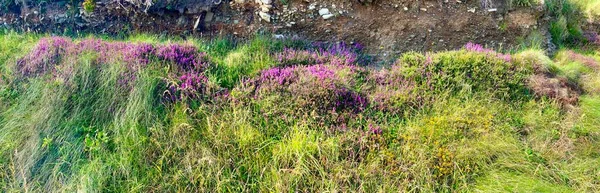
523	3
89	5
241	63
565	27
454	121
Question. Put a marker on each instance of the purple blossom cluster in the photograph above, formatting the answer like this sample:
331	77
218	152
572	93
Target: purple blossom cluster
592	37
348	99
375	130
51	51
393	92
44	56
321	72
583	59
282	76
134	55
339	54
186	57
188	86
479	48
317	88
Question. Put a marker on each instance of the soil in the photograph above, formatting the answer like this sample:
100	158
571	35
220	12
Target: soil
385	28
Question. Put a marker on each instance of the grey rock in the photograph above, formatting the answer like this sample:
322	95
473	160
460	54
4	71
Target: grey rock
324	11
328	16
265	16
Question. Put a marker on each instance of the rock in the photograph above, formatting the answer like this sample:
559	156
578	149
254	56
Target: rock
208	17
240	1
312	6
405	8
423	9
324	11
267	2
328	16
182	21
197	23
264	9
265	16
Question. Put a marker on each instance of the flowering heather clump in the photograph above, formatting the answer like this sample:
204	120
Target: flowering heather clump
44	56
393	92
194	86
376	130
337	54
555	88
47	53
585	60
189	85
50	51
592	37
299	91
134	55
282	76
416	79
479	48
186	57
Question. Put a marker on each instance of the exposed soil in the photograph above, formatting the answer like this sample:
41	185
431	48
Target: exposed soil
384	27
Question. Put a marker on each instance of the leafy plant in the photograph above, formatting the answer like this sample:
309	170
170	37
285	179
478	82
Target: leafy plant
523	3
89	5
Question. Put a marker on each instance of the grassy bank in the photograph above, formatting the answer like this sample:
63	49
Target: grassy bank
150	114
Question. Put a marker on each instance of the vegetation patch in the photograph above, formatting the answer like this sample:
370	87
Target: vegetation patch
159	115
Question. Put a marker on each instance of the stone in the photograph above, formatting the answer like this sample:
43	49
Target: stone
267	2
197	23
324	11
328	16
209	16
182	21
265	16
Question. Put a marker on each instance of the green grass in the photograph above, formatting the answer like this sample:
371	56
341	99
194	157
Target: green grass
84	132
590	8
499	181
523	3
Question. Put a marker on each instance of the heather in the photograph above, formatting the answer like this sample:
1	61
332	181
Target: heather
151	115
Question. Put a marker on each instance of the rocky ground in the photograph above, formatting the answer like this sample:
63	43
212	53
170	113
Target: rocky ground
384	27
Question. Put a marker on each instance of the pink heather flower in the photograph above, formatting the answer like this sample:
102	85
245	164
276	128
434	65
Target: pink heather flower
479	48
336	54
375	130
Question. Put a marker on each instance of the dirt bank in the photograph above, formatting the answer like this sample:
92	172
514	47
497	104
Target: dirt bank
384	27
